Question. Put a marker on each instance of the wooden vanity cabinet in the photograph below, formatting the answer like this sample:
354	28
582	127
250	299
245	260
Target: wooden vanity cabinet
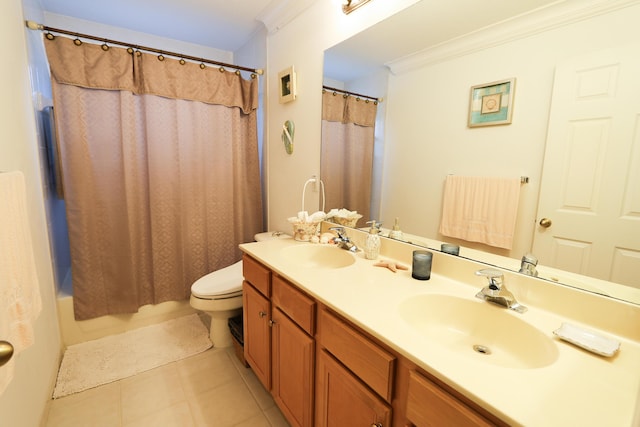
279	323
293	352
344	400
432	404
256	291
355	376
333	374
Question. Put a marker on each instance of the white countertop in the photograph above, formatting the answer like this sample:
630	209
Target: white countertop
578	389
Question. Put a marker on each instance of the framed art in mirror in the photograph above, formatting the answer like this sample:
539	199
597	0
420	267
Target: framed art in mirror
287	84
491	104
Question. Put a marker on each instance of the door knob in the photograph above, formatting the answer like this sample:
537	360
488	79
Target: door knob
545	222
6	351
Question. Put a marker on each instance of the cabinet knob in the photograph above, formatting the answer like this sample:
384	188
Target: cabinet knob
262	313
376	425
272	322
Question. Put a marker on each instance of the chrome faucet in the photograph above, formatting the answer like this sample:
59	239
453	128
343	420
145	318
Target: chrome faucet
343	240
496	292
528	265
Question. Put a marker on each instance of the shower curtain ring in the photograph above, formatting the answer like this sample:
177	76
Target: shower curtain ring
49	36
77	41
105	47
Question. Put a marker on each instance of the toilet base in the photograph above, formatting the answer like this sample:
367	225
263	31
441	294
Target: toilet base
219	329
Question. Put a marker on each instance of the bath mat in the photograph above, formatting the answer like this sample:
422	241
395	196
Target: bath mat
93	363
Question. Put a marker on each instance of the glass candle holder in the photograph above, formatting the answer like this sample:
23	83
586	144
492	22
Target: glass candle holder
450	248
421	265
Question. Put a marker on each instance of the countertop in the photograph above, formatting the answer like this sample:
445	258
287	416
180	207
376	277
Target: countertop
578	389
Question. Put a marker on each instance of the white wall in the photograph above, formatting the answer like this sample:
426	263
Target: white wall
427	134
23	402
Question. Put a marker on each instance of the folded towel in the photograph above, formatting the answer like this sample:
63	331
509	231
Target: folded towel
20	302
480	209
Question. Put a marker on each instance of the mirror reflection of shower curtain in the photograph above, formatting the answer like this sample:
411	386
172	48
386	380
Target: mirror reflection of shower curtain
348	128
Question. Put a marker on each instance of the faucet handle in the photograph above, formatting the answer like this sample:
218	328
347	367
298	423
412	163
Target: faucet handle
339	231
495	277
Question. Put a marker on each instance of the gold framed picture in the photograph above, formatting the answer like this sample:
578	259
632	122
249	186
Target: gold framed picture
287	85
491	104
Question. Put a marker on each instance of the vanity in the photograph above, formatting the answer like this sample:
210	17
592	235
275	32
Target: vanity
340	342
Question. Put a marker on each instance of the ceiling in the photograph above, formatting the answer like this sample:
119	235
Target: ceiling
221	24
229	24
425	24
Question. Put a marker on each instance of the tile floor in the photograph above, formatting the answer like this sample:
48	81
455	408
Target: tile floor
212	388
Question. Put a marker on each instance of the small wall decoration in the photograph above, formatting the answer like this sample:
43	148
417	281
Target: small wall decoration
288	131
287	84
491	103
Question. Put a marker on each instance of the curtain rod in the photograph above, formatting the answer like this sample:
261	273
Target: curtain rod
35	26
351	93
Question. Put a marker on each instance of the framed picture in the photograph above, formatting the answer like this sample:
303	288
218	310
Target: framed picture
287	84
491	103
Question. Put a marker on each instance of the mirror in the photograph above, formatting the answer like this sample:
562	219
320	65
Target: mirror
420	51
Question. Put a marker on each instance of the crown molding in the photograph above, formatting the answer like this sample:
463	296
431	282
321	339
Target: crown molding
280	12
558	15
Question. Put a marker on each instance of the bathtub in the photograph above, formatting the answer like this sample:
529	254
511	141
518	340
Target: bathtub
76	331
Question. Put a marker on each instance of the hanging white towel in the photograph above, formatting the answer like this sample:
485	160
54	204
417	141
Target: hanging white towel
20	302
480	209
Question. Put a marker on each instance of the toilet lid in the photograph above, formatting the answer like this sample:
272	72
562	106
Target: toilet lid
226	282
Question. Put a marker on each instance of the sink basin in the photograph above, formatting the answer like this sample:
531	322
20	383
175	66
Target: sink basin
318	256
479	330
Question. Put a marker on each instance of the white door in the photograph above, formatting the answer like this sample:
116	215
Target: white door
590	189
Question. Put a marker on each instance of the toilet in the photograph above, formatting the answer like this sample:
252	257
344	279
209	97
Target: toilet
219	294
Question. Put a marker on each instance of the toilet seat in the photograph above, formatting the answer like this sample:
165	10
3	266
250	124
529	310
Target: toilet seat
220	284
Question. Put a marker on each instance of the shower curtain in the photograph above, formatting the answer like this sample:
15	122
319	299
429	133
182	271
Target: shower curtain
348	135
160	171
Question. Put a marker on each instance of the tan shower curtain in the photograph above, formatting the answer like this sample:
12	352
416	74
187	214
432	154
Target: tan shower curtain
159	191
348	126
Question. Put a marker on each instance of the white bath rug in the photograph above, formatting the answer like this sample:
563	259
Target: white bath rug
93	363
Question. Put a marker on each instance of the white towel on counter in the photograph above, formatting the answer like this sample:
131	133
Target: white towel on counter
480	209
20	302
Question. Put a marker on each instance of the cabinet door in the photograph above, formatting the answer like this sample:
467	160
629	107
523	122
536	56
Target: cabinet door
292	370
257	333
342	400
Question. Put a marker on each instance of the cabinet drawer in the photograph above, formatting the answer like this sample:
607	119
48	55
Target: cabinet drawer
256	274
429	405
364	358
299	307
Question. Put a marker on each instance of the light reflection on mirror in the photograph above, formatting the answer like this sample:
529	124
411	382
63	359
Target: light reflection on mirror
410	176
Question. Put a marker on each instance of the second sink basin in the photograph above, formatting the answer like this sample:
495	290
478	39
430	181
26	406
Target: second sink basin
479	329
318	256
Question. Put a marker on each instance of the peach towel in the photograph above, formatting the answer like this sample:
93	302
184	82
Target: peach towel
20	302
480	209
